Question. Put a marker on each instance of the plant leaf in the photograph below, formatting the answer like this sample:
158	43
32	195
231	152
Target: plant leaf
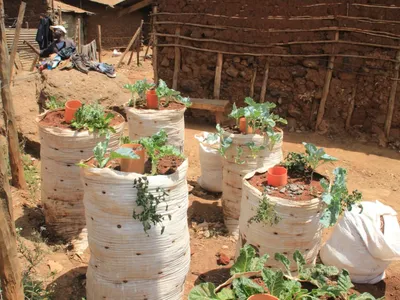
243	262
226	294
203	291
274	281
344	282
124	153
245	287
284	260
300	261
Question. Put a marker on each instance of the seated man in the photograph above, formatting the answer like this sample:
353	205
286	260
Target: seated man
60	42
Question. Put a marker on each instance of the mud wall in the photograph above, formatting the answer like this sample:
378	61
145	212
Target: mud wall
32	12
295	83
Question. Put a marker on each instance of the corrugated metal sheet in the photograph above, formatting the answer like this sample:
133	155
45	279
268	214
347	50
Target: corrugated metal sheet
26	54
69	8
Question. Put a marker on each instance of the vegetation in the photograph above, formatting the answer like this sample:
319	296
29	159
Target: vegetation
53	103
323	281
92	117
169	95
265	212
138	92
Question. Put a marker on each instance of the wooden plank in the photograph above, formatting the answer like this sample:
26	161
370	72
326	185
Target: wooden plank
177	63
133	39
392	97
215	105
99	41
134	7
218	72
265	82
18	27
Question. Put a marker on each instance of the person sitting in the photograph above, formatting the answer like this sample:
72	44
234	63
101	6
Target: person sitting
60	42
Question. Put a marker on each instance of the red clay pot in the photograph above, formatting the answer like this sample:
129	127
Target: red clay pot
152	99
243	126
133	165
262	297
277	176
71	106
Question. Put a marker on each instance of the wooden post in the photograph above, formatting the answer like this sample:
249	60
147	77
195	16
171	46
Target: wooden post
79	35
59	16
138	51
148	47
392	97
34	62
99	40
14	48
10	272
351	107
154	56
130	44
32	47
177	65
218	72
17	169
265	81
52	6
253	81
327	84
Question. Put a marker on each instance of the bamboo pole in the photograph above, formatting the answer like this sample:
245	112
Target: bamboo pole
17	169
218	72
351	107
14	48
392	97
155	42
177	65
265	82
99	40
133	39
253	81
10	271
327	84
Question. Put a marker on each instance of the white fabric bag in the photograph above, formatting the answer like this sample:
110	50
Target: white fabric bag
358	245
210	163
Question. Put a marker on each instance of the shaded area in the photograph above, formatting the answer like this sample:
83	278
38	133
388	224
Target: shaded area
216	276
71	285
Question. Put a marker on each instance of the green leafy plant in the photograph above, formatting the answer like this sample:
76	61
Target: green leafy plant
254	149
236	113
316	157
163	91
265	212
92	117
238	156
138	92
225	142
148	204
337	197
53	103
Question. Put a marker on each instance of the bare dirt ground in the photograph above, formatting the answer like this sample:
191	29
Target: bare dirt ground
374	171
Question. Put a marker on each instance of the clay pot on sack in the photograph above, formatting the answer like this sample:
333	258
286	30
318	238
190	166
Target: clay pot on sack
71	107
133	165
243	127
262	297
152	99
277	176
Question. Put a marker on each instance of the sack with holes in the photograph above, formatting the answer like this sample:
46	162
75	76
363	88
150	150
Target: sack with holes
61	148
146	122
364	242
210	163
240	160
127	263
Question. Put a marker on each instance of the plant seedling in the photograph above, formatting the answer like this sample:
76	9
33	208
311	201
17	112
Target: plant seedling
265	213
163	91
138	92
53	103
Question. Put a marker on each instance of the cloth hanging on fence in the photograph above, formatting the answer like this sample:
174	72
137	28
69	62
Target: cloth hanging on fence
90	50
44	36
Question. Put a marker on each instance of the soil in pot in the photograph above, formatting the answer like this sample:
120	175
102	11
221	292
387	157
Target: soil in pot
297	188
56	119
172	105
236	130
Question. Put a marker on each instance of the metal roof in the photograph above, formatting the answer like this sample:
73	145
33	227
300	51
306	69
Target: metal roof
69	8
108	2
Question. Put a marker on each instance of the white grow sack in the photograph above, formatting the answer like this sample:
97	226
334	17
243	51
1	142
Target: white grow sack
358	245
298	229
125	262
146	122
233	173
211	164
62	191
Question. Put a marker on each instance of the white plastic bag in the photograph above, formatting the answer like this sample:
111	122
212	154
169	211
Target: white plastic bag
126	263
210	163
358	245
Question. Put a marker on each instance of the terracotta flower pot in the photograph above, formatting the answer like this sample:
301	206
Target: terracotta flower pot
277	176
71	107
133	165
262	297
243	126
152	99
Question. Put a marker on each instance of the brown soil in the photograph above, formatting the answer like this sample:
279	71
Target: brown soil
171	106
56	119
259	181
235	130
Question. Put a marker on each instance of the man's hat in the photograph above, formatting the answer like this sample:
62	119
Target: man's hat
59	27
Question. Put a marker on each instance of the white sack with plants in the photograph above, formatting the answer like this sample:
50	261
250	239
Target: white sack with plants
135	258
365	241
210	163
62	191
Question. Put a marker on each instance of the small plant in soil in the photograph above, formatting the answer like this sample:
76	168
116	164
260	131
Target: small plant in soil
92	117
170	95
251	277
266	213
255	149
53	103
225	142
138	92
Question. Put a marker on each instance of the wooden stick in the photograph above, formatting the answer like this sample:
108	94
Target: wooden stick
79	35
148	47
375	6
14	48
10	271
32	47
52	7
265	81
280	44
130	57
99	41
34	62
138	53
136	49
17	169
253	81
314	106
273	54
351	107
155	42
238	275
130	44
76	31
392	97
327	84
218	72
59	16
177	65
